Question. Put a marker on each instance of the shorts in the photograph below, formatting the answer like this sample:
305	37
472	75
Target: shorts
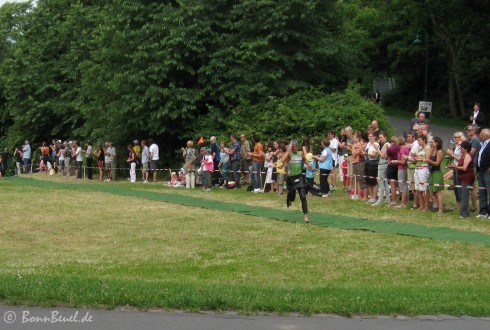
153	166
107	165
358	173
392	172
421	177
145	167
402	180
280	178
100	164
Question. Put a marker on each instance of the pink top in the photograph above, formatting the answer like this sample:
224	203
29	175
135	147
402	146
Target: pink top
405	150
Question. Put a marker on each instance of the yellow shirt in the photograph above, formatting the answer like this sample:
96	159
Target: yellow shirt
280	167
137	150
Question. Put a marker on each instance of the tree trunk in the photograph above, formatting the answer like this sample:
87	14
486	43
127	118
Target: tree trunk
451	92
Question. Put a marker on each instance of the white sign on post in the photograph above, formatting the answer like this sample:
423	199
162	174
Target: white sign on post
425	107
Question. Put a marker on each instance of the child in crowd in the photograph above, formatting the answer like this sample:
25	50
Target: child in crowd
313	189
344	177
281	171
207	166
173	179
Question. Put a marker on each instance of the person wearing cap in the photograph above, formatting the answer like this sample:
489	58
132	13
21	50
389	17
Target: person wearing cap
295	180
137	151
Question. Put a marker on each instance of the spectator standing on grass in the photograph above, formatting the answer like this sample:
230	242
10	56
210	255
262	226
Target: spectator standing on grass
334	146
257	162
475	143
100	161
466	176
78	159
88	157
375	128
436	180
61	159
68	153
145	161
154	157
245	159
483	174
114	161
18	160
325	165
392	154
346	143
108	161
215	153
207	166
371	168
414	147
137	149
234	152
383	184
421	172
44	155
402	171
456	154
26	157
189	154
478	117
224	164
269	166
132	163
358	160
280	169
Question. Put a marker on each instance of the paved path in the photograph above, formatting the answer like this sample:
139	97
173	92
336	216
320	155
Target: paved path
445	133
35	318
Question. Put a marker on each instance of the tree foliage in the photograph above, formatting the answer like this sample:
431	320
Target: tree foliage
176	69
308	112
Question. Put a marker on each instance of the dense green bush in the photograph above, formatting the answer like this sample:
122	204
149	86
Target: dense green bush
307	113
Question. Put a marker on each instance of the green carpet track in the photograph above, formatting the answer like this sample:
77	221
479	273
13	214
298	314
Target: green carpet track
320	219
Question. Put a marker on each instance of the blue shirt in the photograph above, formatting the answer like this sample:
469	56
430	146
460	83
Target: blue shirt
309	173
327	164
236	155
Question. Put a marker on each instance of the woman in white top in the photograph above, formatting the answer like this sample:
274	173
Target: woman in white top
371	168
456	155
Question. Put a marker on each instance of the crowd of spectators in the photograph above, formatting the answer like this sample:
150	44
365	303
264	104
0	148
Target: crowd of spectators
371	166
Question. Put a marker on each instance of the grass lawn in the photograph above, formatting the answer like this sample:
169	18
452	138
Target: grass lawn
85	248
